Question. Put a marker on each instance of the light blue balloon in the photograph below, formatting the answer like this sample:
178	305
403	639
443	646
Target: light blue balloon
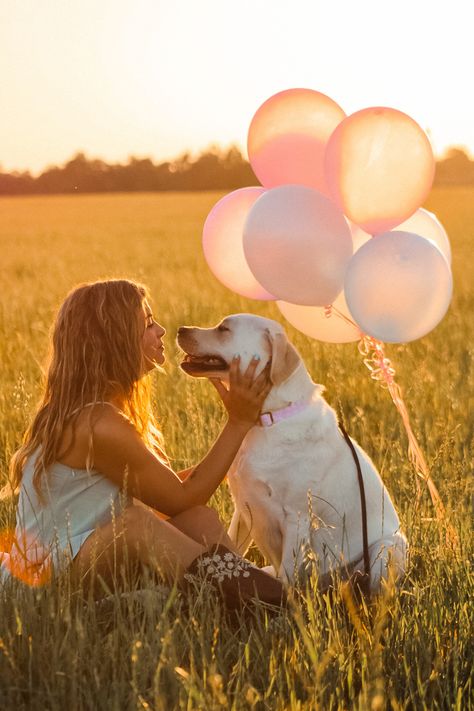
398	286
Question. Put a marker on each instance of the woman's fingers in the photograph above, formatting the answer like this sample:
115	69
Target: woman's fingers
246	393
264	377
234	370
262	383
265	388
220	387
247	380
250	371
263	392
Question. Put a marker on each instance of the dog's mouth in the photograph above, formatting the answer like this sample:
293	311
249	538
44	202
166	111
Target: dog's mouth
203	365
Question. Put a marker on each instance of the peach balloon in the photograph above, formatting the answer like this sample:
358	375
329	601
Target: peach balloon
298	245
379	167
427	225
398	287
222	243
313	321
288	135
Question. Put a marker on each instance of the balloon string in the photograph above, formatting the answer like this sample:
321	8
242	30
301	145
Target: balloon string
382	371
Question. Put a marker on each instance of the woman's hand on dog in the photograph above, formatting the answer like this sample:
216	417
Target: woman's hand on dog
246	394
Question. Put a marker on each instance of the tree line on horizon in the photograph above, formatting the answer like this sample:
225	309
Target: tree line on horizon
213	169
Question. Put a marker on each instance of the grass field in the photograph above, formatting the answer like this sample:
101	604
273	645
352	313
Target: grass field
412	650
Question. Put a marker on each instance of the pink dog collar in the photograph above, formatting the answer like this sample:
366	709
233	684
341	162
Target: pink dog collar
267	419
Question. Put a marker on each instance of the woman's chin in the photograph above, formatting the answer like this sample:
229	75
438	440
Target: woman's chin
154	363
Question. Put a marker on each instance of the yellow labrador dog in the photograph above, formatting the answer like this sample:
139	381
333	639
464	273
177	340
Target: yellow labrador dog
294	480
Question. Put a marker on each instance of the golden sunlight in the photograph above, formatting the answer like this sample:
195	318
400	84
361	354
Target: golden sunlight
156	79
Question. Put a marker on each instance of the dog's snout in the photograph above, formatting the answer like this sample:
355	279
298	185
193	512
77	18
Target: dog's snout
185	338
183	330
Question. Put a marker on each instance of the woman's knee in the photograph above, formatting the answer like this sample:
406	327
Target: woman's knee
201	523
206	515
197	517
157	543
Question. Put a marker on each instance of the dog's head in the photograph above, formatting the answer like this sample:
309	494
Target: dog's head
209	351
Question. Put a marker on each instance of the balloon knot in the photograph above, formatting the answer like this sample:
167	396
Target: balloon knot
380	367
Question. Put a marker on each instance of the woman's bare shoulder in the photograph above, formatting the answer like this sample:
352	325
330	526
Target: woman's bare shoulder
107	422
93	425
120	453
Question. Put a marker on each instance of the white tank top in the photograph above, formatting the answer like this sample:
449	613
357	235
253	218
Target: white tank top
51	532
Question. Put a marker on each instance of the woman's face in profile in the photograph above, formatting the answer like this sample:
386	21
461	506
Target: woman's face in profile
153	348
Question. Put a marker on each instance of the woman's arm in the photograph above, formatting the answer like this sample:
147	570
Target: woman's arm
120	454
217	461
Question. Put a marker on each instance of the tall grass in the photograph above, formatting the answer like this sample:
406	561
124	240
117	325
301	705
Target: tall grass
411	650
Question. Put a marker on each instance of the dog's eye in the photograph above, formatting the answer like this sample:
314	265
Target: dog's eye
223	328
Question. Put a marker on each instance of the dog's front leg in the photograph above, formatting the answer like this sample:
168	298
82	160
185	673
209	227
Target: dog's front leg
303	547
293	548
239	533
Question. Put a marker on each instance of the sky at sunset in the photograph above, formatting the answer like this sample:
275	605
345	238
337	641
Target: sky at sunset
115	78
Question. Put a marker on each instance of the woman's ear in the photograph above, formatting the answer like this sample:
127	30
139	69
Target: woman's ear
285	357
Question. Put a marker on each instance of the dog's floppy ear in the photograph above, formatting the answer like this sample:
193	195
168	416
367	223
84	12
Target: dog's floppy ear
285	358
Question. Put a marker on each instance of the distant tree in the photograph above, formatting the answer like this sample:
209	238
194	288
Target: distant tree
214	169
456	168
16	183
141	174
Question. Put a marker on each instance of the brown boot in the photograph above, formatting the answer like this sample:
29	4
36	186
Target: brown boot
238	581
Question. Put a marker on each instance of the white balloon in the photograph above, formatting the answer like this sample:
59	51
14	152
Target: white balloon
427	225
297	244
398	287
313	321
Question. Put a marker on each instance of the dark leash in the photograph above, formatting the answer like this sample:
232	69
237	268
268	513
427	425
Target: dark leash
364	581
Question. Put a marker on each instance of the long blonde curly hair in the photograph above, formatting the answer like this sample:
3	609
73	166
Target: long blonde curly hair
96	350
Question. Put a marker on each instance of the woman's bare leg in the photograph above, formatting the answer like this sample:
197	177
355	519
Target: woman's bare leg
139	536
202	524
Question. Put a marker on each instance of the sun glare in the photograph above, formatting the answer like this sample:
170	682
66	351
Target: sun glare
14	559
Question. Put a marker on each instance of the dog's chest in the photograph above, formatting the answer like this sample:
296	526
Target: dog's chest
280	464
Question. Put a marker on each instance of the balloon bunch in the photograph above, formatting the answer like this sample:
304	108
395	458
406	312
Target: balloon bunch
321	229
335	234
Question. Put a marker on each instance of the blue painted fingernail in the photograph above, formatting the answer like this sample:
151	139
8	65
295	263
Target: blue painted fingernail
256	356
236	355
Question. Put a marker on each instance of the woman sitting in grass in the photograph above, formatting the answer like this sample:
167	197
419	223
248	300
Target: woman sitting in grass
92	471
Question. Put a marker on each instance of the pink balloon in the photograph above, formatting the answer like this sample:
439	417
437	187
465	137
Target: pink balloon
222	243
298	244
379	167
313	321
288	135
398	287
